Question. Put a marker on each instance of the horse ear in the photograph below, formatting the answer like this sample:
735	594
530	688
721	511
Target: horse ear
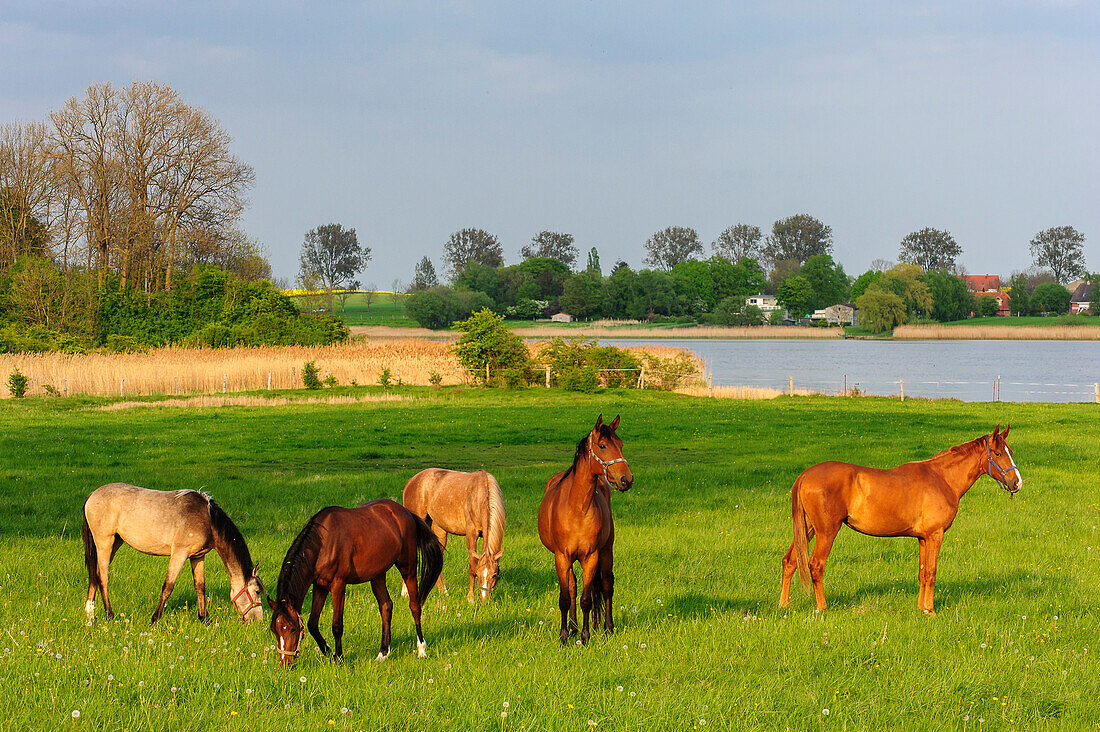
996	430
1004	435
599	423
477	556
271	604
615	423
255	570
497	555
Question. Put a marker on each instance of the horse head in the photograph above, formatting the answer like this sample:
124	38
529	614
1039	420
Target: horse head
488	571
607	449
1000	466
286	624
247	600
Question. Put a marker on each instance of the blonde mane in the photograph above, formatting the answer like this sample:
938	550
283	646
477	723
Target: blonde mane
497	516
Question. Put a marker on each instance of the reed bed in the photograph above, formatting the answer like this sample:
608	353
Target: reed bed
739	392
999	332
701	331
177	371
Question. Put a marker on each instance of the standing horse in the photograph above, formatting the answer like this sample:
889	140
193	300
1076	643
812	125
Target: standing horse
345	546
575	524
182	525
918	499
464	504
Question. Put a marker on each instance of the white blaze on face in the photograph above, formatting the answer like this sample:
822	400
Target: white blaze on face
1019	475
484	584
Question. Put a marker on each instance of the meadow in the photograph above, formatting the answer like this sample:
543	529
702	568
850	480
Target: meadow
699	538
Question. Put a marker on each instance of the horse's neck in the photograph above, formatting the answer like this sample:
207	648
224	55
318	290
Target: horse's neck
232	567
583	487
961	469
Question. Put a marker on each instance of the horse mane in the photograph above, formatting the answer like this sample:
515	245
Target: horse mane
230	536
296	574
497	516
582	449
961	447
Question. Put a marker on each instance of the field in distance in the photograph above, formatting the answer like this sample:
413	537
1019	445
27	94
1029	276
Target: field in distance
698	544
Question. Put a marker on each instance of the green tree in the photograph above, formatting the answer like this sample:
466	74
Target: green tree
796	293
950	298
741	241
582	296
863	282
985	306
880	310
1019	299
332	256
1051	297
424	275
472	245
593	266
548	275
1060	250
798	237
692	280
735	280
654	294
620	292
480	278
827	279
551	244
668	247
486	340
931	249
907	282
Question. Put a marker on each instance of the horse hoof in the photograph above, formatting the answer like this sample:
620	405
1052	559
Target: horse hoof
421	649
382	656
930	613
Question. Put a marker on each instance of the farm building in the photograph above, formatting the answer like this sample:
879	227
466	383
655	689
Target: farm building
844	313
1082	298
561	318
766	303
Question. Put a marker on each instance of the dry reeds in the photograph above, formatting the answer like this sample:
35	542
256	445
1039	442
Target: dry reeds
702	331
999	332
208	400
738	392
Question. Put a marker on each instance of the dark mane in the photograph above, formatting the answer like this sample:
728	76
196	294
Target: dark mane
230	535
296	573
582	450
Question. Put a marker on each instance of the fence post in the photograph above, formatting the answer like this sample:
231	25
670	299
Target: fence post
486	373
547	377
1096	390
901	382
641	378
791	392
122	386
269	381
224	379
65	386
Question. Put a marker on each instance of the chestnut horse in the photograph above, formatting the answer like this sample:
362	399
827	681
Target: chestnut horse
183	525
918	499
345	546
575	524
464	504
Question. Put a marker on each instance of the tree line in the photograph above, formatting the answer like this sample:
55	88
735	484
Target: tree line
794	263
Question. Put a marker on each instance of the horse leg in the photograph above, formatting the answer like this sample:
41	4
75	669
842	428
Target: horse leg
934	543
607	577
588	576
198	571
471	547
567	596
385	609
789	567
409	585
338	590
315	607
175	564
439	583
822	547
103	565
922	571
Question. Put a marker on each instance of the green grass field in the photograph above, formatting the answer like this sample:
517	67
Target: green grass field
382	310
698	544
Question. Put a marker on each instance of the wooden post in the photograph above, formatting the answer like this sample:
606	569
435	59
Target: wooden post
176	381
1096	390
224	379
486	373
791	392
902	384
398	376
122	387
269	381
547	377
65	386
641	378
845	384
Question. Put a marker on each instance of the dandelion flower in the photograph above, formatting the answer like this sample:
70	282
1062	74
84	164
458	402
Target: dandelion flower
505	705
248	691
591	723
503	715
618	688
825	711
343	710
302	679
76	714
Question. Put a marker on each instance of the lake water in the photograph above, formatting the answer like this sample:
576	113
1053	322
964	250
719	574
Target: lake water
1029	371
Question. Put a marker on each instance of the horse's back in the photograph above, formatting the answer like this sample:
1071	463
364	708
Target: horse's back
453	498
366	540
150	521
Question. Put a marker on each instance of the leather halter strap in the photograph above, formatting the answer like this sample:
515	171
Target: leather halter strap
252	601
292	654
605	463
1001	471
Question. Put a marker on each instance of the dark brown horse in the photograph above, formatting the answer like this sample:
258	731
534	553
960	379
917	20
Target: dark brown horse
345	546
918	499
575	524
183	525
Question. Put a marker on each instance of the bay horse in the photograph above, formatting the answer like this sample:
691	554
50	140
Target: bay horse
463	504
183	525
346	546
575	524
918	499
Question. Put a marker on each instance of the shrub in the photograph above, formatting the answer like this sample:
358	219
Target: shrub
123	344
434	378
487	340
516	378
51	390
985	305
17	384
580	379
385	379
330	381
309	375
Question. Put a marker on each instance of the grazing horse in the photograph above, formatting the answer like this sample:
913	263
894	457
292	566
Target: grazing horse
575	524
918	499
464	504
345	546
182	525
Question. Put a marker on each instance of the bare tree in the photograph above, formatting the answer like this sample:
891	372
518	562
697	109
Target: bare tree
472	245
1059	249
334	254
798	237
668	247
932	249
27	187
551	244
370	292
396	292
738	242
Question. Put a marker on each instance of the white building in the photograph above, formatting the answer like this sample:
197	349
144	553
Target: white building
767	303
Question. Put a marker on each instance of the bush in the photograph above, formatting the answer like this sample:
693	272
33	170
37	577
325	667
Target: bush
17	384
580	379
123	344
516	378
330	381
985	305
487	340
435	378
309	375
614	367
385	379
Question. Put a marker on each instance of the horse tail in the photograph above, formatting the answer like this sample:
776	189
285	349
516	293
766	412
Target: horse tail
801	534
597	597
429	556
91	558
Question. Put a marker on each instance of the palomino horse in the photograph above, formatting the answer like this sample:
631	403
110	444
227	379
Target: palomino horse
182	525
918	499
575	523
345	546
464	504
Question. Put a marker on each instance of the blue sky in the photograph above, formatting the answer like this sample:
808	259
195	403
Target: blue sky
409	120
